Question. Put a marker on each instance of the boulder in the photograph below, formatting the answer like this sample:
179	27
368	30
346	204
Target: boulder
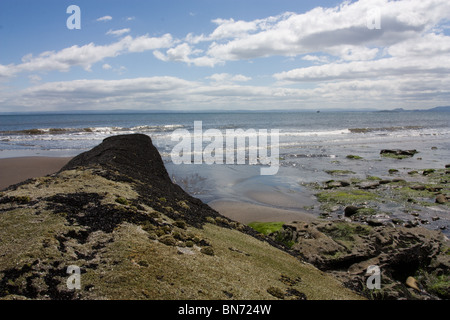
398	152
440	198
350	211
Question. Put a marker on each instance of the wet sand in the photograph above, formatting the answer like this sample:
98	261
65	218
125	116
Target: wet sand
15	170
248	212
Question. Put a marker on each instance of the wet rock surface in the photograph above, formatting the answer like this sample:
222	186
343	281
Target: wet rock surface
347	249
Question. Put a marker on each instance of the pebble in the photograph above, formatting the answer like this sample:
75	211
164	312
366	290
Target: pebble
412	283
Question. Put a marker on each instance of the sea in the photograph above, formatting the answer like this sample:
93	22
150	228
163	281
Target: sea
309	144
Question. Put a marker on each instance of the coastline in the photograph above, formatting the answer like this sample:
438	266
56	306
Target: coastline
339	248
16	170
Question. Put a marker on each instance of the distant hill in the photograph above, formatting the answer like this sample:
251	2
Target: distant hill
446	109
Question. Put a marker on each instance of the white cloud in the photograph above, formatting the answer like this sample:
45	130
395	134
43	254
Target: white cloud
106	66
221	78
341	31
118	32
145	43
319	59
426	55
185	53
34	78
176	93
104	18
84	56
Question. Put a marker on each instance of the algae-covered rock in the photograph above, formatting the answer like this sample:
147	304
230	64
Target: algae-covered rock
347	249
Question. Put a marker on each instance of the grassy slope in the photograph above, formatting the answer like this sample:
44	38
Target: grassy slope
130	262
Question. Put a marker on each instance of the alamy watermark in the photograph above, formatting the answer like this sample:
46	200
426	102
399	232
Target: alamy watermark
230	147
373	19
74	20
74	280
374	280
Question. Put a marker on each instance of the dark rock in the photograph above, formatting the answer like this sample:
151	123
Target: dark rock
374	222
133	155
344	183
350	211
332	184
398	152
426	172
133	158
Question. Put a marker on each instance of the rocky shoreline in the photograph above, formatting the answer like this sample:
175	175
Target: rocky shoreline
395	223
347	249
114	212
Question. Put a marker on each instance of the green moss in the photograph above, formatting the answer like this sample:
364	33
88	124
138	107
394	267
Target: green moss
339	172
207	250
353	157
276	292
345	232
210	220
346	197
266	227
440	285
183	204
374	178
122	200
16	199
391	171
180	224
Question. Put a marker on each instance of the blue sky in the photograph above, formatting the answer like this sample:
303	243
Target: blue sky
211	54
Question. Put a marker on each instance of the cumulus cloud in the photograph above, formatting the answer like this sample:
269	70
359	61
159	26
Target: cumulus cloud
228	78
344	31
84	56
429	54
185	53
104	18
342	60
118	32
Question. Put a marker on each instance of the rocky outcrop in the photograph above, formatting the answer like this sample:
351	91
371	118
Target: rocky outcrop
347	250
134	159
398	152
114	214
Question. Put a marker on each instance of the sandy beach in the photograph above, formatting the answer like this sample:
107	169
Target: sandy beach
247	212
15	170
